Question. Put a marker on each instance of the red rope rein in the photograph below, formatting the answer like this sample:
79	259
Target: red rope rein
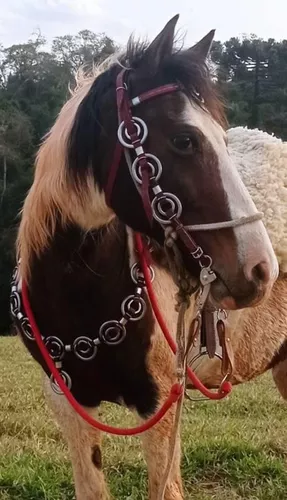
226	387
176	390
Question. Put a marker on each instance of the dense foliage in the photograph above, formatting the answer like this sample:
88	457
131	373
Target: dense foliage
251	72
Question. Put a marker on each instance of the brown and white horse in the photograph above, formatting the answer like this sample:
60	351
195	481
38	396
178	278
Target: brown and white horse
76	247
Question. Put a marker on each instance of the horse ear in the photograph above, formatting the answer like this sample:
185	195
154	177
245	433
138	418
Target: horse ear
162	45
202	48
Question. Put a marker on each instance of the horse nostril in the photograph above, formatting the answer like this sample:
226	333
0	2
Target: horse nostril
259	273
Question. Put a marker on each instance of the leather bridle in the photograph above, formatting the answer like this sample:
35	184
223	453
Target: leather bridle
146	170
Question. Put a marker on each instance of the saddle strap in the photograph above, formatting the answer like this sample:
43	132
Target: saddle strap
208	339
227	351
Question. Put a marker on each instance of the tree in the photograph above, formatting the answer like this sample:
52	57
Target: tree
33	86
86	48
253	74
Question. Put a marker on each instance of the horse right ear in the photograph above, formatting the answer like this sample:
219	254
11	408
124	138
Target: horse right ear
161	46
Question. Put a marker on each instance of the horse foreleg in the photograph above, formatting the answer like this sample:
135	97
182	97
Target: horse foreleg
156	445
85	447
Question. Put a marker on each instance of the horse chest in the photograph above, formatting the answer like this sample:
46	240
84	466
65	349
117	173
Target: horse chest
70	301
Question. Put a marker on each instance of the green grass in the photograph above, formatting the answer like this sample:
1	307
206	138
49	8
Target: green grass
234	449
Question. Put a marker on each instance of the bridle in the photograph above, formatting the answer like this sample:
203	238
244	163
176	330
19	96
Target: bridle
146	170
166	209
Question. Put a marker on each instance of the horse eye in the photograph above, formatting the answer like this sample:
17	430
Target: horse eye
182	142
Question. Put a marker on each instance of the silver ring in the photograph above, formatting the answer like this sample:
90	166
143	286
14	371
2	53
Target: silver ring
137	275
129	312
201	355
15	303
112	332
84	348
141	128
55	386
208	259
159	213
155	168
55	348
26	328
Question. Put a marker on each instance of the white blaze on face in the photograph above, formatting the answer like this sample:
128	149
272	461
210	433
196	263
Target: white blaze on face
253	242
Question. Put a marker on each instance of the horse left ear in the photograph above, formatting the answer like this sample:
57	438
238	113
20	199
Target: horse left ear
162	45
202	48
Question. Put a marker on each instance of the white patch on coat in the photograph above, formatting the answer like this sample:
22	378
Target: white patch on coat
252	239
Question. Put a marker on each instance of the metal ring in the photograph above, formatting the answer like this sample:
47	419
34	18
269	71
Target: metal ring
112	332
55	347
137	274
84	348
208	259
159	213
156	168
141	128
54	384
15	303
133	308
201	355
26	328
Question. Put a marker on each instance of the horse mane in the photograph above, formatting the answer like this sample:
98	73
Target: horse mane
54	197
51	199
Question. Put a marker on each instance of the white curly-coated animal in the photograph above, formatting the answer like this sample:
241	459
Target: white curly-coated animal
261	159
259	335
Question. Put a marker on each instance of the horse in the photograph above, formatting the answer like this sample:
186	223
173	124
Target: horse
137	154
258	336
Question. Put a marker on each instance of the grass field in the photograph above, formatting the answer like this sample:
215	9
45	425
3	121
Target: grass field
234	449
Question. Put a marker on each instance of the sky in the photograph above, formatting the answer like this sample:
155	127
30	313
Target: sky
19	19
